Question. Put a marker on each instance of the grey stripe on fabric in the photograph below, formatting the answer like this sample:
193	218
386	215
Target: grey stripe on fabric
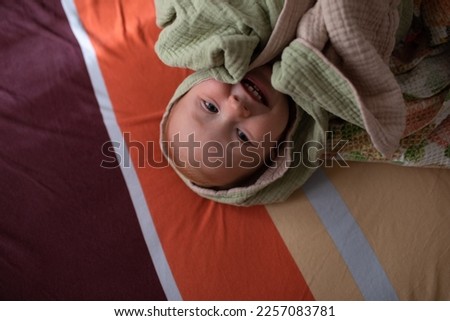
133	184
349	239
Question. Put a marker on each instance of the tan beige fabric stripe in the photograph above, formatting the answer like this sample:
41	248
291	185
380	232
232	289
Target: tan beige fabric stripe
405	216
313	250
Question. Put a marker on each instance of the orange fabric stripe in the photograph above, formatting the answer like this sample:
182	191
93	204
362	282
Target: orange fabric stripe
215	252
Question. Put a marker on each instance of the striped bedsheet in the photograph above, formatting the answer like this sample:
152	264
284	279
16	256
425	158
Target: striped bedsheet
90	210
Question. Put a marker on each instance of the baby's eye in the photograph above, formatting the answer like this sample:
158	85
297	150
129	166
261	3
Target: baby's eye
242	135
210	107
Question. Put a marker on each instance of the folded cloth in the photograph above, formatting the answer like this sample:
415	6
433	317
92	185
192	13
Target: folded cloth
222	36
344	67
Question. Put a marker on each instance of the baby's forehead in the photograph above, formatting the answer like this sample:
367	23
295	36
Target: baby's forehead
181	120
187	120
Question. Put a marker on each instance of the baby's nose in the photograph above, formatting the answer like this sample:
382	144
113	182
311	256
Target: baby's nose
238	107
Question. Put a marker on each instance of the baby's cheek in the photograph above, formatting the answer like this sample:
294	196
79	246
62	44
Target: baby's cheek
274	126
252	156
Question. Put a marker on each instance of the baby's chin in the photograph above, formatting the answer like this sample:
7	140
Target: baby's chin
227	178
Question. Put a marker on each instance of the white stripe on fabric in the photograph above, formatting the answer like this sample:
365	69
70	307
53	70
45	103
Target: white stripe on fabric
350	241
133	184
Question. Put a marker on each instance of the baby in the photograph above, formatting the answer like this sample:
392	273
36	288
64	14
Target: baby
248	126
223	135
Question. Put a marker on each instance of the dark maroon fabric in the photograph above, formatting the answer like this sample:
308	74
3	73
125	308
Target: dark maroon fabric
68	230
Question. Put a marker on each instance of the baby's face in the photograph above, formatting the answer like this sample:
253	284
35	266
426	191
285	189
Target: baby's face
228	131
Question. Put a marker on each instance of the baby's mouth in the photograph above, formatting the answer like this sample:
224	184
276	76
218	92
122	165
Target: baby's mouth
254	91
